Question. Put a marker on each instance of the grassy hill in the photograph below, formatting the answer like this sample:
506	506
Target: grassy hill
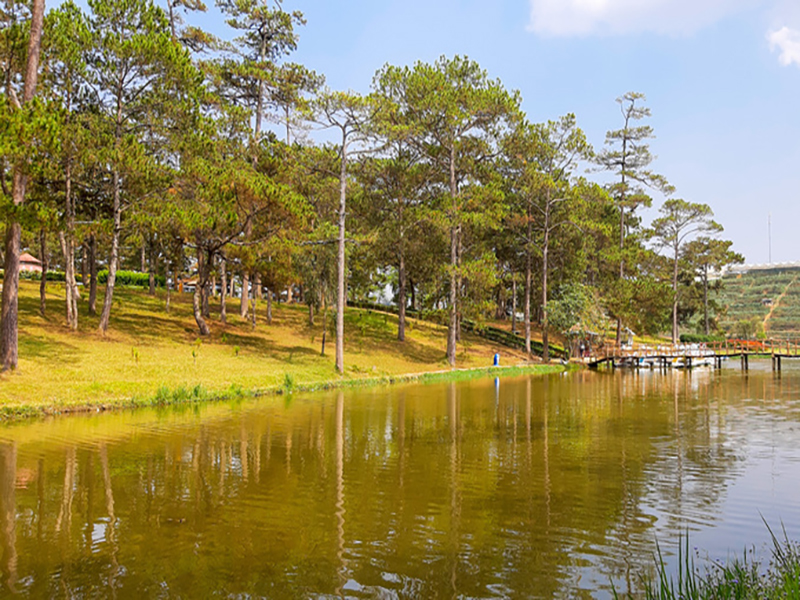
151	355
770	296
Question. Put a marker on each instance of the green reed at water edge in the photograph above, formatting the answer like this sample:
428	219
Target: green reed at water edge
742	578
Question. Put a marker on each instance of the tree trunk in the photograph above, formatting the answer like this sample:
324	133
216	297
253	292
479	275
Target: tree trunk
675	298
204	266
9	326
45	265
10	306
340	258
245	295
92	275
143	257
452	323
168	286
223	288
85	262
197	297
152	267
117	212
514	305
113	259
70	290
499	302
459	283
197	309
545	254
622	222
67	239
621	265
528	283
310	314
257	291
269	306
401	299
705	299
324	324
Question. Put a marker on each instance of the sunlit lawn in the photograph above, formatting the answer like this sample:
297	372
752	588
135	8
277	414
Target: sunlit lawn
147	349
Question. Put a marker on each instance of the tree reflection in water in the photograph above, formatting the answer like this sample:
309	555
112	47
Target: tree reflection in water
526	487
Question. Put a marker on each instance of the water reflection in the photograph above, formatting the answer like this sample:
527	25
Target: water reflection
529	487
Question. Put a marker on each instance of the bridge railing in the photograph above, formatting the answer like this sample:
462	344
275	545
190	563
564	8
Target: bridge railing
731	347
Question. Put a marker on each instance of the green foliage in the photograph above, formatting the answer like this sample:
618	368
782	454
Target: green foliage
288	383
130	278
141	145
569	307
37	276
749	328
742	578
699	338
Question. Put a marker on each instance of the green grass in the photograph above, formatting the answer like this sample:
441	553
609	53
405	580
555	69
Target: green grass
151	357
742	578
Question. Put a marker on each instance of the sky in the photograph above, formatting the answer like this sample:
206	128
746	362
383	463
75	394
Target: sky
721	77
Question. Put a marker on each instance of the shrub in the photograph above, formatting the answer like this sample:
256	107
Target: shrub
131	278
37	276
699	338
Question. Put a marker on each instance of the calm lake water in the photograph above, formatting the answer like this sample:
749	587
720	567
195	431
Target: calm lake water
546	487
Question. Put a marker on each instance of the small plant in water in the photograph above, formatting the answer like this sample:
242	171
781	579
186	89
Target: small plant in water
288	383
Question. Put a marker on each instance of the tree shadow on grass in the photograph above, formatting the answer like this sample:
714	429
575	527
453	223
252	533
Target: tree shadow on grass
258	344
43	347
410	350
150	326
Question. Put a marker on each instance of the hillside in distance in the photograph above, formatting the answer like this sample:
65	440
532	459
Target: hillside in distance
766	295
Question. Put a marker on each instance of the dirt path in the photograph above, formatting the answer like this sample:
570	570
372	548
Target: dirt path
777	302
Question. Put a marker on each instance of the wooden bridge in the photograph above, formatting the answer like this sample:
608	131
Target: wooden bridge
691	355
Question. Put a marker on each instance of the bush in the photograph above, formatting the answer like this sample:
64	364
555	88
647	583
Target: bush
36	276
131	278
699	338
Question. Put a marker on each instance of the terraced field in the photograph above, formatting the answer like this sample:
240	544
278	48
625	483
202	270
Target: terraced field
746	295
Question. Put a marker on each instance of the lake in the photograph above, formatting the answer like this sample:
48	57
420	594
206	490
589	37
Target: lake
544	487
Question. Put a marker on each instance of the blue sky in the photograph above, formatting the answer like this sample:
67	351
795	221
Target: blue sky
722	78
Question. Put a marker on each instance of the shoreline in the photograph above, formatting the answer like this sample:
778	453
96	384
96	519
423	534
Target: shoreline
183	395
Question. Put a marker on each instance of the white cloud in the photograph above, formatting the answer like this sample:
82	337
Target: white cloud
788	41
604	17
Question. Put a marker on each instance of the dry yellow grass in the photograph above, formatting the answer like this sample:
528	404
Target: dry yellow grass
148	351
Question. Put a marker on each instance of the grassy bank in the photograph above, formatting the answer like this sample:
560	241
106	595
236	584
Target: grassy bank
744	578
153	357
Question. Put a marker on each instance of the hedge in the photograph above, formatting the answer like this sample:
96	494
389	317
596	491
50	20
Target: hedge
37	276
131	278
699	338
